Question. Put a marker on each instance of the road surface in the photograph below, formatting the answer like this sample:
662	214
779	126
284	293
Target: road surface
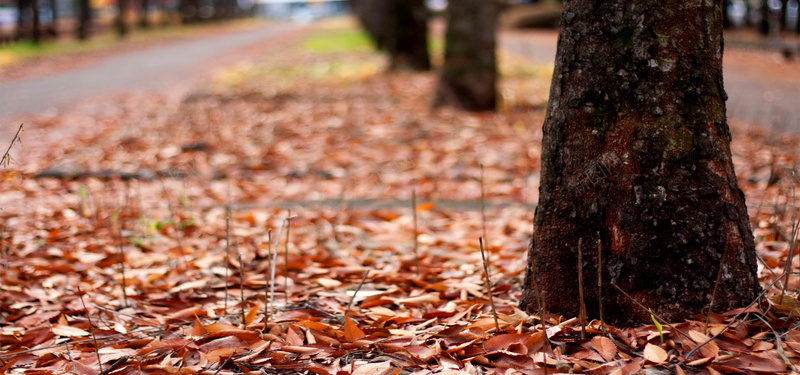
152	69
762	89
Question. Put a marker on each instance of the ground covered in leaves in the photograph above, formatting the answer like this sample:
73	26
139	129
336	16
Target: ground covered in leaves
120	257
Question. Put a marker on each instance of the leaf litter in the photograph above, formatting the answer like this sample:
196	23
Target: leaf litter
343	149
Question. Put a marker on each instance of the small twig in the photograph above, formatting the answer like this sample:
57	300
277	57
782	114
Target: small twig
122	261
267	305
643	307
174	224
6	156
241	281
4	247
778	344
600	283
582	303
788	267
286	259
483	212
221	366
69	355
274	256
353	298
489	285
154	324
91	329
227	248
416	243
115	365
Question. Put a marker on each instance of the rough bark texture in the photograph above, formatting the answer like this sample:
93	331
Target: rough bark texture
636	156
469	75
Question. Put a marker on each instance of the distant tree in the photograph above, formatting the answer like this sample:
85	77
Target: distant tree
122	26
37	23
144	13
469	75
53	27
84	19
636	161
398	27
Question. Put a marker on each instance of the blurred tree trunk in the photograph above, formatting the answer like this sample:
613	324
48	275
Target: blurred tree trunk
37	24
145	9
469	75
400	27
22	8
122	26
636	159
84	19
53	29
372	15
407	36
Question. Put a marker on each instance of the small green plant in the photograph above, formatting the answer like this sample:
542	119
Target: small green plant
658	326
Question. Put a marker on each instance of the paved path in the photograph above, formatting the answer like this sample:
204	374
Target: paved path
153	69
762	89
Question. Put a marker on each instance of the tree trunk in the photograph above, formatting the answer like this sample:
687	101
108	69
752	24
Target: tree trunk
145	8
372	15
84	19
37	24
469	75
53	29
407	35
636	160
22	7
122	26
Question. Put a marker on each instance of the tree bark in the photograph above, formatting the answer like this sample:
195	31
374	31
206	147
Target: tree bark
407	36
372	15
636	159
84	19
469	75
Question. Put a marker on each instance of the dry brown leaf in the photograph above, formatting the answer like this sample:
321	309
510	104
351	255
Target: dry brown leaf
605	347
655	354
351	331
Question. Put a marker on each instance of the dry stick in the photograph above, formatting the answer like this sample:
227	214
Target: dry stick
350	305
91	329
788	267
582	311
286	260
227	250
416	244
122	262
274	255
483	211
600	283
6	159
489	285
69	355
778	344
221	366
241	280
643	307
174	224
4	247
733	320
266	285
